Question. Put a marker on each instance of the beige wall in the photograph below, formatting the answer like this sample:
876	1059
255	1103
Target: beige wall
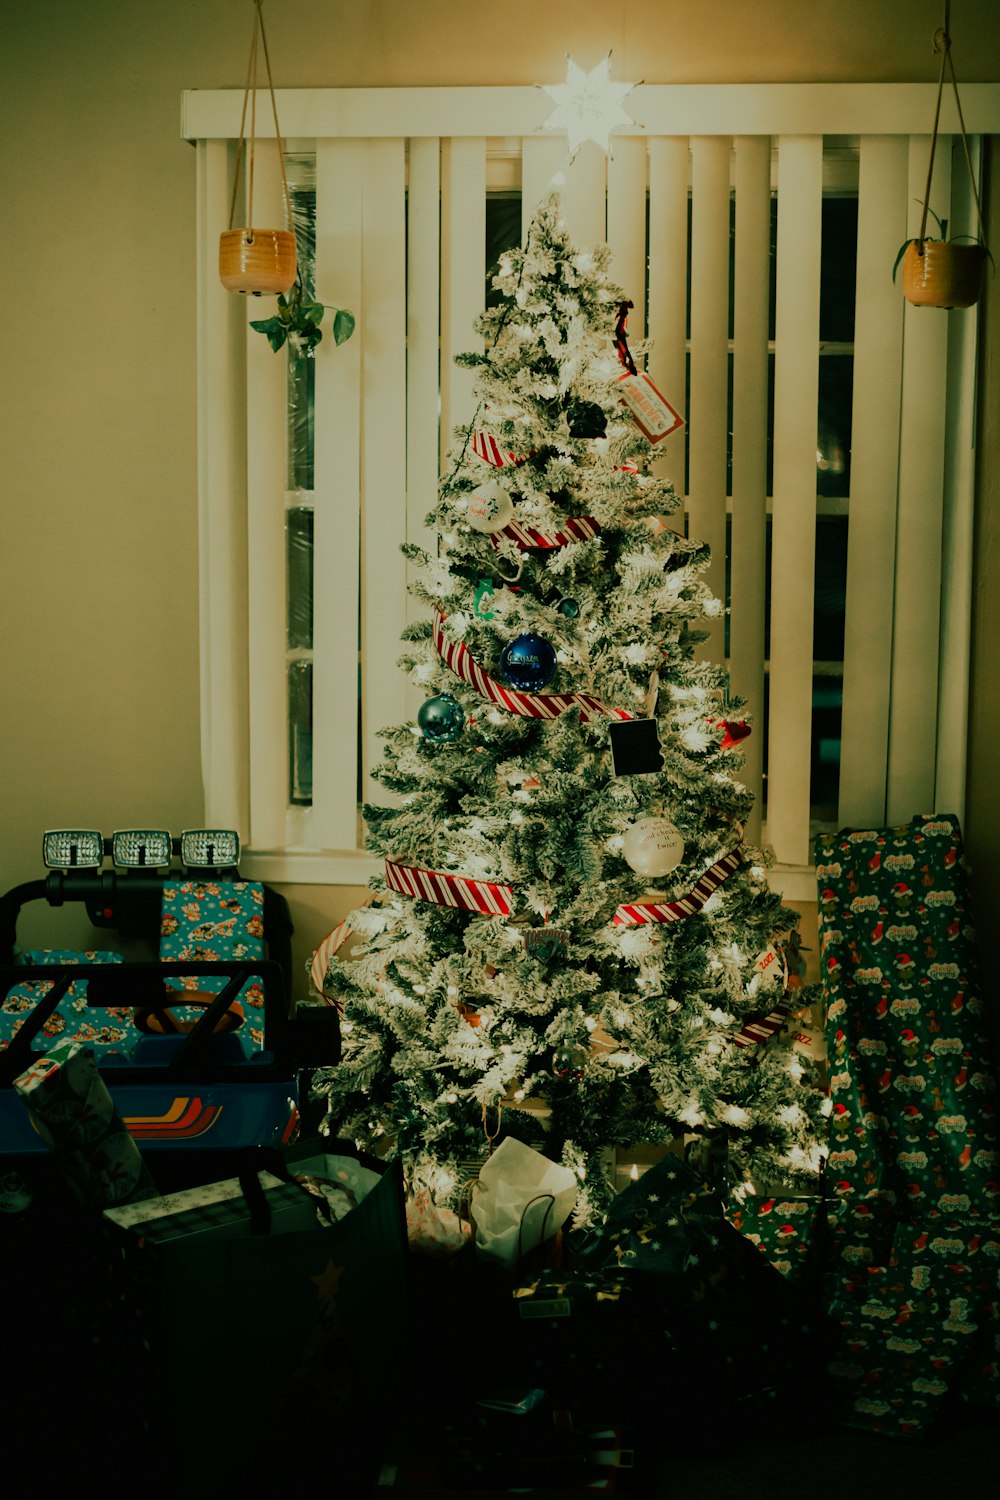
99	722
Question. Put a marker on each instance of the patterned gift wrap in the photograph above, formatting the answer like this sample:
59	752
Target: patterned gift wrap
209	921
103	1028
72	1110
789	1230
737	1325
913	1165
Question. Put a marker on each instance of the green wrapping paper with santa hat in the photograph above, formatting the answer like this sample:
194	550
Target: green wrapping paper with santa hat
914	1180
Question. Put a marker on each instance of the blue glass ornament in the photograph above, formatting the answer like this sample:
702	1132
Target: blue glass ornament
528	662
441	719
569	608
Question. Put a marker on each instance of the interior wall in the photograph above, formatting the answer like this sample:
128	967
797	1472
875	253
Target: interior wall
99	691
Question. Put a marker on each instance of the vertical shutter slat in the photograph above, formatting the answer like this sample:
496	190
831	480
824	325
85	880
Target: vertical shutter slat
669	168
627	225
871	533
222	510
542	156
793	546
463	276
709	364
959	518
383	452
267	476
917	599
422	357
584	196
749	486
340	170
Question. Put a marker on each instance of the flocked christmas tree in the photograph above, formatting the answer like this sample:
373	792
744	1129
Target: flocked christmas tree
572	944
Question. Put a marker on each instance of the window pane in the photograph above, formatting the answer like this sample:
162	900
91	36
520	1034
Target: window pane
838	270
299	576
301	370
300	733
831	588
503	232
833	431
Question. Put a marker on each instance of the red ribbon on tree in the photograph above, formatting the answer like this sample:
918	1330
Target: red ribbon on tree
487	897
573	529
459	658
621	342
637	913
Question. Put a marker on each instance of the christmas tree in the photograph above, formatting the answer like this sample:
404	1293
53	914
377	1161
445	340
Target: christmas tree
572	943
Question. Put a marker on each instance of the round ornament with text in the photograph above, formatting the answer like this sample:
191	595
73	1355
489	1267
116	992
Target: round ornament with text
490	509
528	662
441	719
653	847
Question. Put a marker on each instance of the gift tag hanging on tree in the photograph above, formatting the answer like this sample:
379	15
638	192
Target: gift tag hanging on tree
635	743
652	413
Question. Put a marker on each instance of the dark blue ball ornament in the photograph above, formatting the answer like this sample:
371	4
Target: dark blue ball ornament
529	663
568	608
441	719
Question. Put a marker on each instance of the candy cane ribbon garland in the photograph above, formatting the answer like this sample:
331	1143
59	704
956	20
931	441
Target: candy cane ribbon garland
638	912
528	705
486	447
573	529
487	897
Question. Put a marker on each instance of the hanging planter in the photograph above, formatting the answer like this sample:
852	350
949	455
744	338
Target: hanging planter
942	272
253	261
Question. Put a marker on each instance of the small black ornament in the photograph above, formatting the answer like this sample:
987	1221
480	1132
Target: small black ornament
635	747
586	419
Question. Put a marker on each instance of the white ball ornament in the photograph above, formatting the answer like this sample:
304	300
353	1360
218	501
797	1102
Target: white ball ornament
490	508
653	847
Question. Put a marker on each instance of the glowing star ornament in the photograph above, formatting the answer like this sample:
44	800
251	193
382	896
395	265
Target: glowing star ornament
588	105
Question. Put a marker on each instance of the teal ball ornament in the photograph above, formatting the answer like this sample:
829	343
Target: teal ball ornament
441	719
528	662
569	609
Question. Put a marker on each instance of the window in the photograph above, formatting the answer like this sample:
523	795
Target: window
811	461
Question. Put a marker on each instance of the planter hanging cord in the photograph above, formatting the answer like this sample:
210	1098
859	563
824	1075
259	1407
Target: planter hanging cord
942	44
250	96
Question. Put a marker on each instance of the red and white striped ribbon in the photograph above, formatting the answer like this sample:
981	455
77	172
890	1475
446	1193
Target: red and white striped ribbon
486	447
639	912
330	945
573	529
487	897
459	658
762	1027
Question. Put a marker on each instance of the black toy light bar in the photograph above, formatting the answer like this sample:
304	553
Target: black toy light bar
72	849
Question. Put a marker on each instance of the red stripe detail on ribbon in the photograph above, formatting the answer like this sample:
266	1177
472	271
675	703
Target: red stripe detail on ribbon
486	447
487	897
459	658
639	912
762	1027
573	529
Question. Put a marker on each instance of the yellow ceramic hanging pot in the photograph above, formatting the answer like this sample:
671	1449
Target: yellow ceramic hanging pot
253	261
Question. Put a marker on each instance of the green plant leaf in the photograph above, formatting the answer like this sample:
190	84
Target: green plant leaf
274	330
313	312
343	325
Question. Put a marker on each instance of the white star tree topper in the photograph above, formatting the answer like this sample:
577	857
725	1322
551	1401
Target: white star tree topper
588	105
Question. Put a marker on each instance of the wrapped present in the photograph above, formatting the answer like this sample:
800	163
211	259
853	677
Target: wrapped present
789	1229
734	1321
105	1029
920	1332
209	920
72	1110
